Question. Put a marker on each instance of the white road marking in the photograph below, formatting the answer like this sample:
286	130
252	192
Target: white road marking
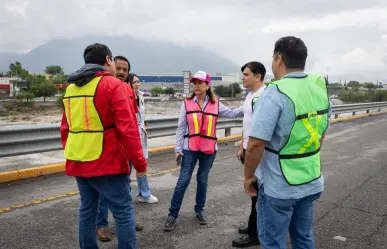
341	238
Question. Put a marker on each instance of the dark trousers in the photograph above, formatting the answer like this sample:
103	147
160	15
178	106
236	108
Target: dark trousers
252	228
114	189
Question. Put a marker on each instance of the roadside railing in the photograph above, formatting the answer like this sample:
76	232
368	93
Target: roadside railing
27	139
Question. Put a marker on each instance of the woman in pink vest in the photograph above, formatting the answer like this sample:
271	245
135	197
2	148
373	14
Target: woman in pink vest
196	140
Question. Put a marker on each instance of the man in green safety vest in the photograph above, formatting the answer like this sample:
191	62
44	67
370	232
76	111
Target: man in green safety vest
284	140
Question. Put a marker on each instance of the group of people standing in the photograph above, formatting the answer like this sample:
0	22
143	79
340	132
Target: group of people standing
284	123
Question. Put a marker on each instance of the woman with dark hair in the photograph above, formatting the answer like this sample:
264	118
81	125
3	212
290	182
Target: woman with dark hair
144	194
196	141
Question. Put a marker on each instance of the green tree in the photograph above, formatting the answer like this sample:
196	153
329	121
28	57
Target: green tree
156	90
60	79
36	79
353	83
16	70
25	94
222	91
54	70
235	89
169	90
44	89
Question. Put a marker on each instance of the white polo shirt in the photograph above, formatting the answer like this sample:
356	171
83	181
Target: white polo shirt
248	113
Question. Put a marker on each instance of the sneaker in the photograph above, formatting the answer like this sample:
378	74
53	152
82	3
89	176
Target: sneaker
170	224
201	216
151	200
245	241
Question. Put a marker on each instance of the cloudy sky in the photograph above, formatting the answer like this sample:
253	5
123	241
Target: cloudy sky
345	38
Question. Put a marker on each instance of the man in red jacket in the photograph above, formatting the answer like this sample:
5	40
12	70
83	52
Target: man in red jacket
100	135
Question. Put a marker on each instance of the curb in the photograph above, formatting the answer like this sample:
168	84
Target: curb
357	116
14	175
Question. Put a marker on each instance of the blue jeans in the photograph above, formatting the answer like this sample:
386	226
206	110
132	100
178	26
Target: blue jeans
278	216
115	191
188	164
142	184
143	190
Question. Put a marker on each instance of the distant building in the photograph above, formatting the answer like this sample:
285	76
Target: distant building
8	86
168	78
176	80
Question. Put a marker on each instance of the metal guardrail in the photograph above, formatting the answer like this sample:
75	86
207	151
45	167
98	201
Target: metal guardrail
27	139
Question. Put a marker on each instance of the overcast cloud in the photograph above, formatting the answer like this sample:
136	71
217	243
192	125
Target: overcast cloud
346	38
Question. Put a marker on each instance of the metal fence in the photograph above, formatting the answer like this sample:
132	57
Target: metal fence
27	139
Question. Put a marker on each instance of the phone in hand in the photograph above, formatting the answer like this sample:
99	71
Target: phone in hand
179	159
242	159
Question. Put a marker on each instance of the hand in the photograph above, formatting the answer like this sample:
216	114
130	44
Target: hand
249	188
141	174
240	154
178	153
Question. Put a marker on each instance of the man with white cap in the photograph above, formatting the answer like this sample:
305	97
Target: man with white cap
196	140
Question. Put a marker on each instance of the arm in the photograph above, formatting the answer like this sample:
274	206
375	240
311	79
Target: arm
329	123
261	131
181	128
127	126
227	112
64	130
241	147
254	152
240	154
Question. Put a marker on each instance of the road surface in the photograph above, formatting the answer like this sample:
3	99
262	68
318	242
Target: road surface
352	212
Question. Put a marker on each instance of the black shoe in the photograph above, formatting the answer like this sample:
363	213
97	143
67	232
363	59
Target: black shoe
170	224
245	241
201	216
243	230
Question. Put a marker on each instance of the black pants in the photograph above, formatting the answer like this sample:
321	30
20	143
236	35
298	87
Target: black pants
252	228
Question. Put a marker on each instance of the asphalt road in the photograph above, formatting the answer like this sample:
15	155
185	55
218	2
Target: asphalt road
353	205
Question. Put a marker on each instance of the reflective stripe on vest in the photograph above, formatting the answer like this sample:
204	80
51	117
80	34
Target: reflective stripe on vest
85	138
201	126
300	156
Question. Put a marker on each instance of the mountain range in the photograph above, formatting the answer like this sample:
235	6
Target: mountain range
144	56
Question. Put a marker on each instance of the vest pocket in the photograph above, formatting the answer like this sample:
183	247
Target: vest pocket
298	171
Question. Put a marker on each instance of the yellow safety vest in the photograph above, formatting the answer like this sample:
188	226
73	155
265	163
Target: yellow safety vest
86	132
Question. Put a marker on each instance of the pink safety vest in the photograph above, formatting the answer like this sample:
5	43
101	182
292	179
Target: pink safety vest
202	126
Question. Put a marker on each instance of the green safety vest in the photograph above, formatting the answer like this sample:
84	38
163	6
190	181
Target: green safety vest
299	158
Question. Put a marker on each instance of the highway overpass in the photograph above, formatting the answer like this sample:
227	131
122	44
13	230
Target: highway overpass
352	213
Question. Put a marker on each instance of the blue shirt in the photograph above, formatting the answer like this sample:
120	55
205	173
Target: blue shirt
273	122
182	126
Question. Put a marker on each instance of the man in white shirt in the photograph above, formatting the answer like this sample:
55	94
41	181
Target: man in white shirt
253	75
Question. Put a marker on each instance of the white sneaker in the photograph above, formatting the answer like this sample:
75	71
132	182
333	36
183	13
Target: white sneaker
152	199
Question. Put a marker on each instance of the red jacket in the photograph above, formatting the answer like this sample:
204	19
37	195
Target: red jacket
121	143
